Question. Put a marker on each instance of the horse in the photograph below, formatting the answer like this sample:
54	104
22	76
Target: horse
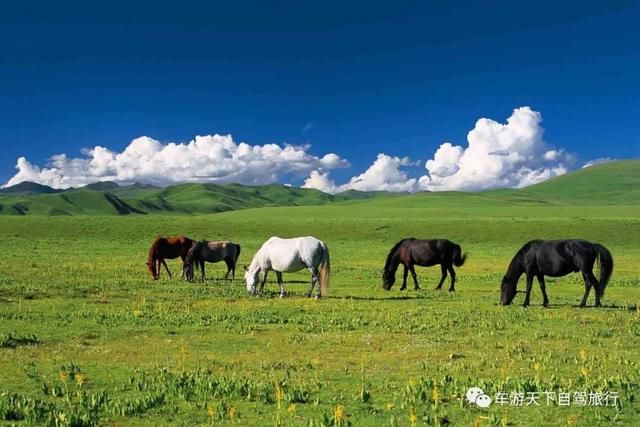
288	256
212	252
166	248
556	258
425	253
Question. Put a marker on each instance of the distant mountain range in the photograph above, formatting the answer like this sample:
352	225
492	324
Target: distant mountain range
616	183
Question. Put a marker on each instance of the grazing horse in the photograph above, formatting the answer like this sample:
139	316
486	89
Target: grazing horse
425	253
212	252
555	258
166	248
288	256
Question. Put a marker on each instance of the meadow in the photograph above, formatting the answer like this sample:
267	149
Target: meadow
87	338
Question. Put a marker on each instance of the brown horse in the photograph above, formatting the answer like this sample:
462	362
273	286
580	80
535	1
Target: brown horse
167	248
425	253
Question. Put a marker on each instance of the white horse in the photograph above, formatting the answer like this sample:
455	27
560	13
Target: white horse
288	256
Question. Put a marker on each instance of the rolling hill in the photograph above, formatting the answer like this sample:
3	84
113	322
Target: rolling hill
615	183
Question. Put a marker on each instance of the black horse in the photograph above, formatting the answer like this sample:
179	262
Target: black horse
555	258
425	253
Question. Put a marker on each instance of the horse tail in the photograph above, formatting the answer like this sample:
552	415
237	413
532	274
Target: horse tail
605	261
325	271
235	260
458	258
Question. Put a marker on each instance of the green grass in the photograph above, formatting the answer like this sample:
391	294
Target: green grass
90	337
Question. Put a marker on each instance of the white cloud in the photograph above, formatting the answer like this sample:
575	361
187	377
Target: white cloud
384	174
213	158
498	155
598	161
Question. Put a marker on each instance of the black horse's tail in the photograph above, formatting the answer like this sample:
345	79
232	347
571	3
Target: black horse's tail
235	261
458	258
605	261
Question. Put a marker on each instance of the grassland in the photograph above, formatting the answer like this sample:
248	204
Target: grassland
87	337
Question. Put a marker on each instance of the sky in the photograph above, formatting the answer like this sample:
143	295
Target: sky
400	96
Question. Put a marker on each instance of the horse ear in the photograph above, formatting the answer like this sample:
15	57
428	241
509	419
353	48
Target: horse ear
245	267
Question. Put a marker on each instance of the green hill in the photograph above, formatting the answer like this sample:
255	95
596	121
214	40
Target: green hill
615	183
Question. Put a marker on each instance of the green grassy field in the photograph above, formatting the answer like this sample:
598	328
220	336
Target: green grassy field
87	337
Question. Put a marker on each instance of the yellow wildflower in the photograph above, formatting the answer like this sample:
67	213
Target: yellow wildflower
292	409
583	355
338	414
537	366
584	371
211	411
63	376
435	394
413	419
232	412
390	406
80	378
279	394
571	420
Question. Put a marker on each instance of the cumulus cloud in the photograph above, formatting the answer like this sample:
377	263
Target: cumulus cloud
212	158
384	174
511	154
498	155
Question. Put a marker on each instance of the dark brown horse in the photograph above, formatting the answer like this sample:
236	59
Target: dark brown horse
425	253
211	252
167	248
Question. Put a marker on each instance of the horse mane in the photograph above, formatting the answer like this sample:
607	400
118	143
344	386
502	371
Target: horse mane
153	249
516	261
390	257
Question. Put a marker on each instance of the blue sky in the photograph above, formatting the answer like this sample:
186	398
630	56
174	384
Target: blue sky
352	78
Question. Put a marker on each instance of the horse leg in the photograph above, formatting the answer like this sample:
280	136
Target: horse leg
528	291
587	288
314	279
264	280
157	265
543	288
404	278
165	267
415	278
596	286
204	278
280	284
443	269
452	273
229	268
182	275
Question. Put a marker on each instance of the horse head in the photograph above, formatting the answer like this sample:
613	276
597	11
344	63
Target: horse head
251	279
508	290
388	279
151	266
